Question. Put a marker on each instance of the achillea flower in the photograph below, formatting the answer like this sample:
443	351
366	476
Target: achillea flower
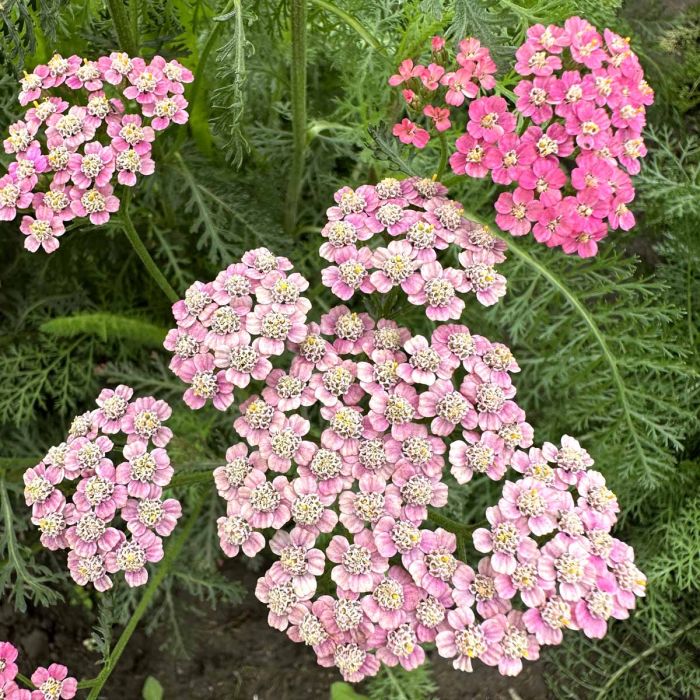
595	112
131	557
53	683
84	525
280	598
378	457
359	566
450	408
59	141
484	456
479	588
205	383
236	534
265	503
145	472
392	600
40	490
516	643
144	421
507	539
366	506
566	560
8	656
299	561
465	639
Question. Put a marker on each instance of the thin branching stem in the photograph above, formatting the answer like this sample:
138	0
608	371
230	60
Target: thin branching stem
298	96
615	677
162	571
142	252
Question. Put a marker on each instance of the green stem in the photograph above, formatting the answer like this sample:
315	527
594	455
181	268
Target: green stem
24	680
162	571
443	155
353	23
140	248
449	524
298	85
640	657
127	39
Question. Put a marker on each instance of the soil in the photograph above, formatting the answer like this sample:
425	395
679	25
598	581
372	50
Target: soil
234	655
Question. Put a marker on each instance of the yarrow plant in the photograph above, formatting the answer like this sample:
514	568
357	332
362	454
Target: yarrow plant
52	683
89	126
566	144
396	410
409	223
81	516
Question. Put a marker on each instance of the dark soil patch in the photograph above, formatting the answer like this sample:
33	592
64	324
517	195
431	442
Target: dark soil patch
233	655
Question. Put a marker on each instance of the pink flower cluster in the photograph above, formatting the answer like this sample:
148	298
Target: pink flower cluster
395	410
416	221
567	146
133	489
229	328
52	683
431	91
68	153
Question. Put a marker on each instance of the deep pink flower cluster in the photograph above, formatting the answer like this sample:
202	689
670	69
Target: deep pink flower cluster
567	146
82	520
52	683
229	328
394	410
431	91
69	153
415	221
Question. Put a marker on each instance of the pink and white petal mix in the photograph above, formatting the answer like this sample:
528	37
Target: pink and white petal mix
132	490
392	408
68	157
565	145
52	683
416	222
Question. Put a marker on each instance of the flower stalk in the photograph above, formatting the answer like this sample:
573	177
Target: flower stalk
144	255
162	571
298	85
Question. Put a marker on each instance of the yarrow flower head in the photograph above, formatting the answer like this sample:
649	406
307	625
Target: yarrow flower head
108	500
395	412
67	156
564	147
417	222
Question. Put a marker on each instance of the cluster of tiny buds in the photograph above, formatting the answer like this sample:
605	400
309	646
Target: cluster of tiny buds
52	683
396	409
411	222
567	144
81	517
70	151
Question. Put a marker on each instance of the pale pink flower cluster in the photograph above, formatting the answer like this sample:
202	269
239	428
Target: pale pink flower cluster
432	91
52	683
395	411
567	146
77	138
84	522
414	221
227	330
